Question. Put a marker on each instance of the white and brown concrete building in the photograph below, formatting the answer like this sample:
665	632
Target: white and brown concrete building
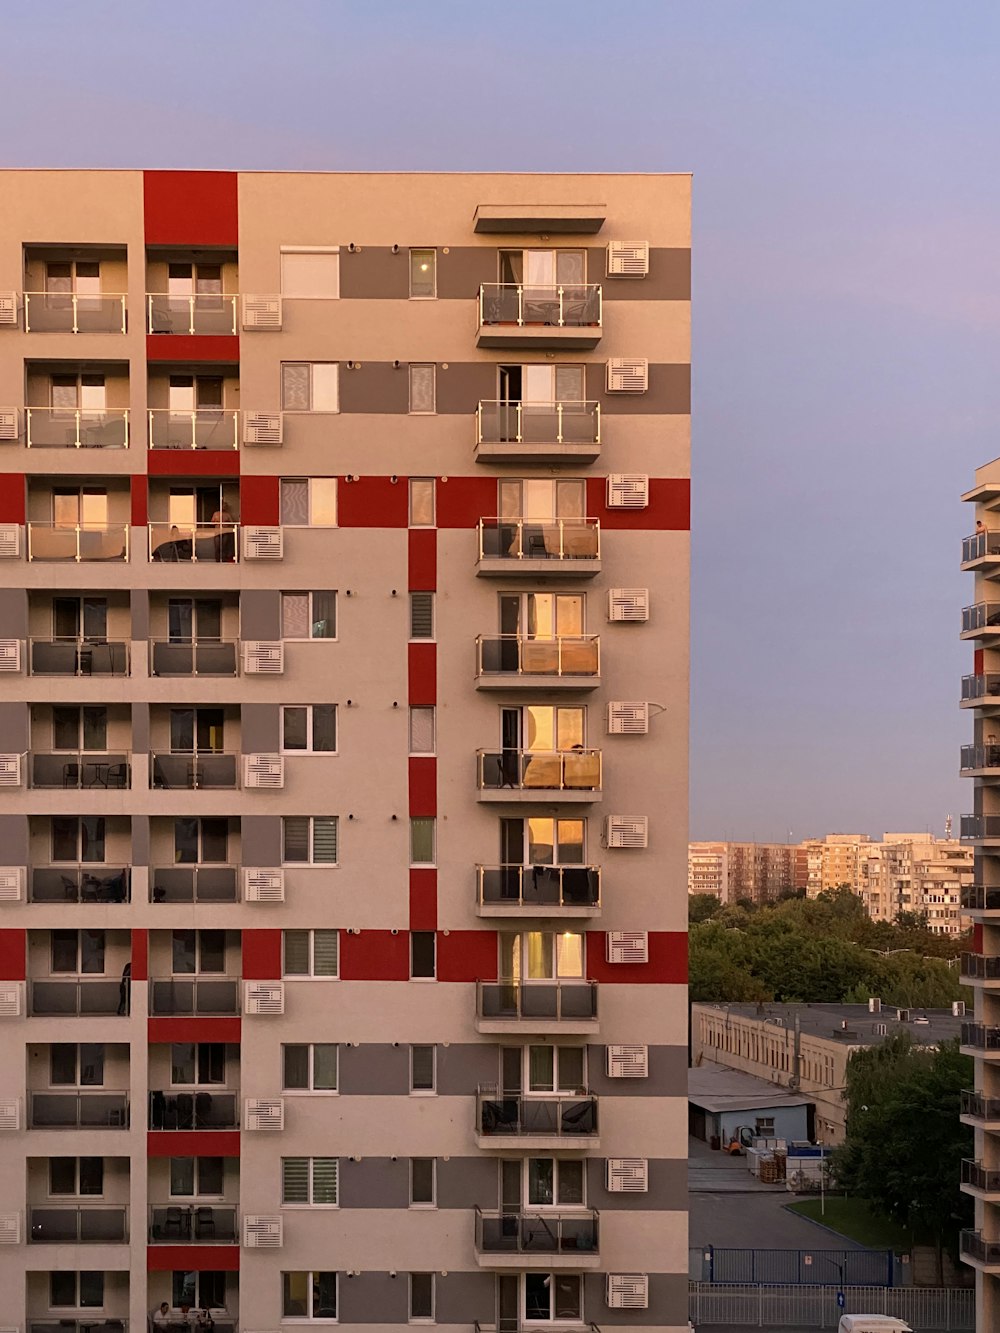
343	728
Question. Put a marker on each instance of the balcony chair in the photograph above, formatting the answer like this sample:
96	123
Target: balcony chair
204	1223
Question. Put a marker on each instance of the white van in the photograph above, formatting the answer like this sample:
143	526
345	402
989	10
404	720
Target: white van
872	1323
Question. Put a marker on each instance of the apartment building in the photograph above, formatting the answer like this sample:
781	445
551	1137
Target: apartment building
834	861
757	872
343	603
708	869
914	872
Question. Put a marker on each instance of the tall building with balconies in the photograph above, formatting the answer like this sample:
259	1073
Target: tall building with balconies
343	772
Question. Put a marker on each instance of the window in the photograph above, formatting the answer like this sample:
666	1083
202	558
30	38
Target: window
197	841
194	618
83	392
197	951
78	838
549	1296
553	1068
421	1298
77	951
310	275
421	615
80	617
76	1176
308	502
309	1180
309	1295
422	1182
309	1067
422	953
76	1066
764	1126
543	727
544	268
309	728
82	276
310	953
76	1291
197	1177
309	840
421	730
308	615
202	1290
541	383
421	502
310	386
423	274
422	1069
76	728
422	829
423	388
542	615
542	499
554	1182
193	1064
79	504
542	842
541	955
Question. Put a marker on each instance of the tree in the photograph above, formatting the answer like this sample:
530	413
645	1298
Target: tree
702	907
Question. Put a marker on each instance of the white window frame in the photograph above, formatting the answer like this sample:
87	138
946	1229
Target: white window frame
554	1316
422	1318
560	1089
432	1201
312	974
308	250
421	365
311	620
75	1193
308	748
432	1090
311	1318
310	1170
424	819
311	410
557	1165
311	841
423	708
422	250
309	483
311	1090
431	483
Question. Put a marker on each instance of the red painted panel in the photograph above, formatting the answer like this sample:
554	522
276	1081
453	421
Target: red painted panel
422	559
467	955
140	498
194	462
191	207
978	668
669	508
423	899
259	500
13	955
193	1143
193	347
12	497
422	673
375	955
194	1029
667	960
261	955
423	786
373	502
192	1258
140	955
977	937
463	501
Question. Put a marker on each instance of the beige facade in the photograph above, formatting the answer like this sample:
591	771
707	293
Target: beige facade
913	872
756	872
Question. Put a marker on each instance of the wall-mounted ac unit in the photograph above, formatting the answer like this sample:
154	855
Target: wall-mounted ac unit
10	1114
10	654
10	541
627	490
263	657
626	831
627	1175
10	1228
262	1233
8	310
628	259
958	1008
627	1291
9	424
11	999
627	374
10	770
264	997
263	543
627	946
11	884
628	719
262	313
263	884
264	772
262	428
264	1113
880	1029
628	604
628	1060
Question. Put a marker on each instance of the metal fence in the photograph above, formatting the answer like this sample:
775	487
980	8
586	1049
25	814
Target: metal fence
942	1309
819	1268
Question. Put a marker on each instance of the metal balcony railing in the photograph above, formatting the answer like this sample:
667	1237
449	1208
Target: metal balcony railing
195	770
85	769
979	545
981	687
515	655
564	305
72	312
198	1223
978	1106
975	1245
562	1324
194	657
980	826
557	539
544	770
981	615
539	1232
85	1224
980	897
80	997
194	995
83	428
198	1109
548	887
980	967
551	1001
88	883
216	543
981	1036
979	1177
203	312
564	1115
79	657
194	884
78	541
98	1108
103	1324
538	423
980	756
204	428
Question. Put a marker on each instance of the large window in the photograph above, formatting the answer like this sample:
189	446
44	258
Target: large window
308	502
310	953
541	955
76	1066
546	1068
309	1295
204	1290
76	1291
76	1177
554	1182
75	728
309	728
423	274
197	841
197	1177
310	275
78	838
309	840
309	1180
542	841
309	1067
308	615
77	951
552	1296
542	499
310	386
193	1064
197	951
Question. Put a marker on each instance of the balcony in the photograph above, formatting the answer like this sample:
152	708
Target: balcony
78	542
981	551
982	1039
212	543
980	898
514	890
559	547
979	828
563	432
205	428
81	997
535	776
78	657
558	1120
91	1109
92	883
980	759
532	1006
87	428
194	657
194	884
986	686
198	996
981	1111
83	1225
68	312
513	315
172	1225
84	769
104	1324
204	770
974	1248
193	1110
981	969
512	662
545	1238
204	312
982	620
977	1179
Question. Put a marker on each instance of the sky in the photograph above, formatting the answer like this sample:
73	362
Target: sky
846	301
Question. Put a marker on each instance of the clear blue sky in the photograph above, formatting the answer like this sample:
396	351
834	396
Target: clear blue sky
847	289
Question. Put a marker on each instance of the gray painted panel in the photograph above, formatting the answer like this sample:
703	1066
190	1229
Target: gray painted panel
14	612
260	838
462	385
668	1301
14	728
373	1298
461	271
374	272
461	1068
668	1067
260	614
666	1180
259	728
375	1182
374	1070
465	1182
669	277
378	386
14	840
140	732
140	840
139	613
465	1298
669	391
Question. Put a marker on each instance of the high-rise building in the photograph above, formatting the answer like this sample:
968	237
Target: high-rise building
708	869
919	874
835	861
757	872
343	603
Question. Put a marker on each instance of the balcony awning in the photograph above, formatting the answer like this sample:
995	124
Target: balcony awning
572	219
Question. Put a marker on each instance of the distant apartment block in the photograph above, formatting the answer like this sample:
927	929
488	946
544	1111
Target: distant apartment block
756	872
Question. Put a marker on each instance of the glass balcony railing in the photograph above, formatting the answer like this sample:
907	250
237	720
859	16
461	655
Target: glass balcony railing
85	769
78	542
979	826
215	543
976	757
981	1036
80	997
570	305
197	1109
205	428
540	770
540	424
571	1116
978	1106
544	1231
72	312
982	615
95	882
980	967
203	312
194	657
980	897
79	657
974	1245
981	687
195	770
557	539
980	1177
531	887
95	1108
550	1001
86	428
514	655
194	995
200	1223
101	1324
82	1225
194	884
980	545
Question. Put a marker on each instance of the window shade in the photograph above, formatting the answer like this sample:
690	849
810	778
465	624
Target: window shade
422	388
296	953
295	1180
325	839
325	952
296	838
421	615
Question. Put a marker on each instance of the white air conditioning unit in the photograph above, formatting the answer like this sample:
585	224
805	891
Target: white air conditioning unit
8	310
264	772
264	1113
627	490
627	946
10	770
627	374
263	544
263	658
880	1029
628	604
11	999
262	1233
10	1228
626	831
627	1291
9	424
11	884
262	427
627	1175
958	1008
266	998
10	654
627	1061
10	541
262	313
628	259
10	1114
263	884
627	719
